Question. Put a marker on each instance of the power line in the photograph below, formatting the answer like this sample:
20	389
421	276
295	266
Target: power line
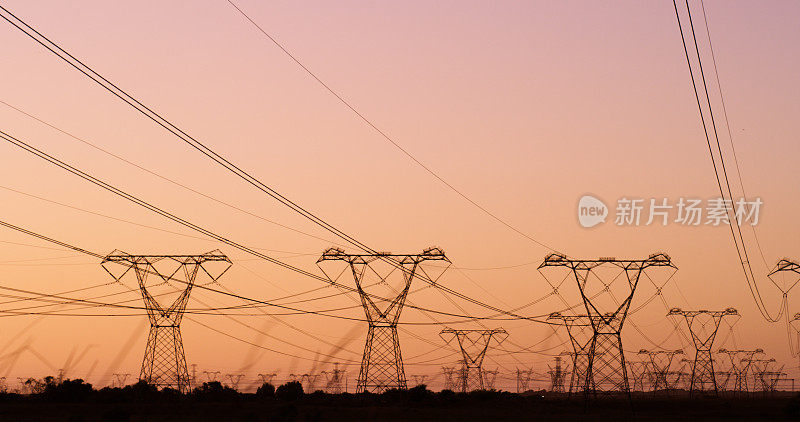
160	176
385	136
728	125
205	150
741	250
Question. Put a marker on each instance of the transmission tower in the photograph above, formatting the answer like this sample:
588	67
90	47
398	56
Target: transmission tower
164	363
333	379
524	379
580	336
557	376
703	326
740	362
639	370
449	378
607	372
120	380
473	345
267	378
309	381
382	364
211	376
489	377
660	363
234	380
762	374
578	375
419	379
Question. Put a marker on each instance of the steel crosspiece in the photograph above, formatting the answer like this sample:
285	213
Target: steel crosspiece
164	363
382	363
659	368
703	326
473	345
740	362
581	343
607	372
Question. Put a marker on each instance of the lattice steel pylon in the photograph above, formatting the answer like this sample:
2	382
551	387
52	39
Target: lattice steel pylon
763	376
660	363
703	326
419	379
489	378
234	380
557	376
267	378
449	373
607	372
524	379
308	381
740	362
164	363
577	326
333	380
639	370
382	363
473	345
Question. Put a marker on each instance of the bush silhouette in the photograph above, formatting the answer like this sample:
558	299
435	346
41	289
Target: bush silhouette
67	390
292	390
266	390
214	391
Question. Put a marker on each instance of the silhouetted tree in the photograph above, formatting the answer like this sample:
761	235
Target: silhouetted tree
266	390
214	391
292	390
67	390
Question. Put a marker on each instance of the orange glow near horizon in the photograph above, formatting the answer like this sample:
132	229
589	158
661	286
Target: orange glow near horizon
523	106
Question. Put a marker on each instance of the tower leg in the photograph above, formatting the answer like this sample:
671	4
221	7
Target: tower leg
164	363
382	365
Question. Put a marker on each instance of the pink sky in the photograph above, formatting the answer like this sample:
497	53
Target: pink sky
524	106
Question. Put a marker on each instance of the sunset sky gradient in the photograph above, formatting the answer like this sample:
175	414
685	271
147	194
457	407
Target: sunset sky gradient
523	106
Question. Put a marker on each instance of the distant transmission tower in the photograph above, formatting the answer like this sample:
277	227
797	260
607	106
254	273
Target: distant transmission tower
382	364
309	381
164	363
703	326
740	362
120	380
489	378
638	370
449	378
557	376
473	345
660	363
333	380
764	378
234	380
581	340
419	379
267	378
524	379
212	376
607	372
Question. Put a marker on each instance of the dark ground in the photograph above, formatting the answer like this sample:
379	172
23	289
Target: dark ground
217	403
